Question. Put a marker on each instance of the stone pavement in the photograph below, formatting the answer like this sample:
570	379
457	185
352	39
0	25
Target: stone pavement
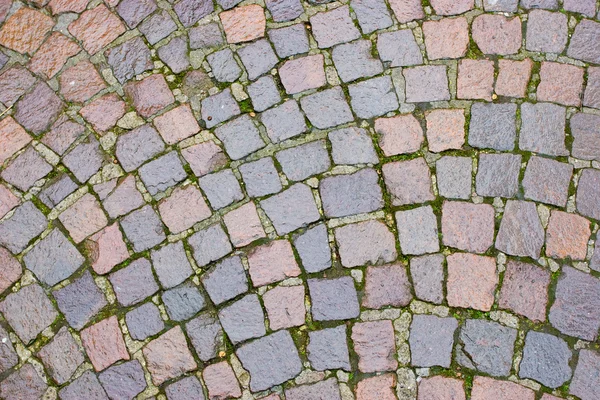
366	199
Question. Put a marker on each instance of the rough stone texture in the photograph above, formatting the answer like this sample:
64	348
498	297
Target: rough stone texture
472	281
272	262
560	83
567	235
129	59
137	146
186	388
382	387
333	27
83	218
426	83
183	208
354	61
104	112
302	74
445	130
168	356
498	175
243	24
547	181
11	269
546	359
487	347
240	136
24	383
328	349
243	319
304	161
13	36
183	302
38	109
431	340
585	129
258	58
408	182
585	379
158	27
264	93
189	12
53	54
123	381
260	177
546	31
103	343
407	10
123	199
467	226
399	48
175	54
418	231
513	77
344	195
497	34
96	28
352	146
369	242
327	109
521	232
575	309
284	121
372	15
25	170
143	228
204	158
221	188
525	290
224	66
475	79
485	388
80	300
284	10
446	38
14	136
442	388
162	173
80	82
134	11
373	98
134	283
313	248
375	345
61	356
591	97
209	244
285	306
427	273
85	159
206	336
221	381
24	224
85	386
584	42
149	95
588	192
454	176
333	299
289	40
226	280
328	389
399	135
493	126
144	321
291	209
171	264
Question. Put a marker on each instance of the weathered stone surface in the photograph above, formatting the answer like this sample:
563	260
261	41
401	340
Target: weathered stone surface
61	356
103	343
313	248
303	161
24	383
243	24
381	387
158	27
497	34
431	340
17	230
302	74
53	55
357	193
8	200
285	306
592	89
560	83
546	31
134	283
547	181
123	381
546	359
209	244
240	136
399	48
85	386
567	235
83	218
85	159
513	77
426	83
372	15
144	321
258	58
588	193
14	82
289	40
427	274
585	380
137	146
333	27
327	108
244	225
446	38
191	11
80	82
183	302
11	269
204	158
25	170
161	173
328	349
284	121
244	319
130	58
493	126
264	93
206	336
485	388
467	226
80	300
124	198
575	310
442	388
149	95
354	61
407	10
333	299
521	232
454	176
328	389
445	130
260	177
374	343
291	209
96	28
498	175
171	264
38	109
585	129
284	10
61	6
475	79
221	381
13	36
368	242
471	281
134	11
418	231
352	146
183	208
13	138
221	188
373	98
104	112
186	388
525	290
224	66
584	44
168	356
272	262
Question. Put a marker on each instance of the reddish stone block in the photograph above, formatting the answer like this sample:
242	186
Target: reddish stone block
407	10
378	387
441	388
107	249
445	129
243	24
204	158
446	38
96	28
387	285
485	388
220	381
525	290
475	79
12	138
11	270
83	218
285	306
243	225
567	235
451	7
62	6
303	74
401	134
513	77
104	112
272	262
103	343
560	83
375	344
472	281
468	226
177	124
53	55
409	182
168	356
183	208
497	34
25	30
149	95
80	82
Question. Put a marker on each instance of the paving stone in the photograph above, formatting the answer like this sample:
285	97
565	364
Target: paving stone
486	346
104	112
328	349
585	379
284	121
431	340
509	6
585	129
418	231
585	7
373	98
493	126
221	381
472	281
53	54
124	198
313	248
285	306
333	27
15	82
243	225
327	109
586	199
594	261
258	58
243	24
448	7
284	10
61	356
144	321
130	58
162	173
150	95
560	83
381	387
62	134
374	343
226	280
158	27
96	28
352	146
584	42
445	129
270	360
13	137
543	129
205	36
302	74
408	182
546	359
171	265
221	188
328	389
189	11
183	208
401	134
333	299
17	230
487	388
85	160
453	176
61	6
446	38
289	40
291	209
532	4
498	175
224	66
427	274
243	319
592	89
103	343
546	31
206	336
260	177
468	227
521	232
168	356
497	34
513	77
80	82
567	235
38	109
475	79
25	170
124	381
264	93
525	290
304	161
272	262
175	54
368	242
354	60
209	244
137	146
399	48
575	309
183	302
24	383
83	218
13	36
357	193
11	270
426	83
186	388
240	137
85	386
204	158
442	388
407	10
134	283
8	200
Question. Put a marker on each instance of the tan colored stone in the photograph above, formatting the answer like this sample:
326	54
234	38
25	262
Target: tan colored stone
103	343
446	38
243	24
83	218
177	124
445	129
513	77
485	388
168	356
567	236
96	28
475	79
471	281
12	138
80	82
401	134
104	112
497	34
107	249
61	6
451	7
25	30
243	225
560	83
285	306
303	74
183	209
53	54
441	388
377	387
